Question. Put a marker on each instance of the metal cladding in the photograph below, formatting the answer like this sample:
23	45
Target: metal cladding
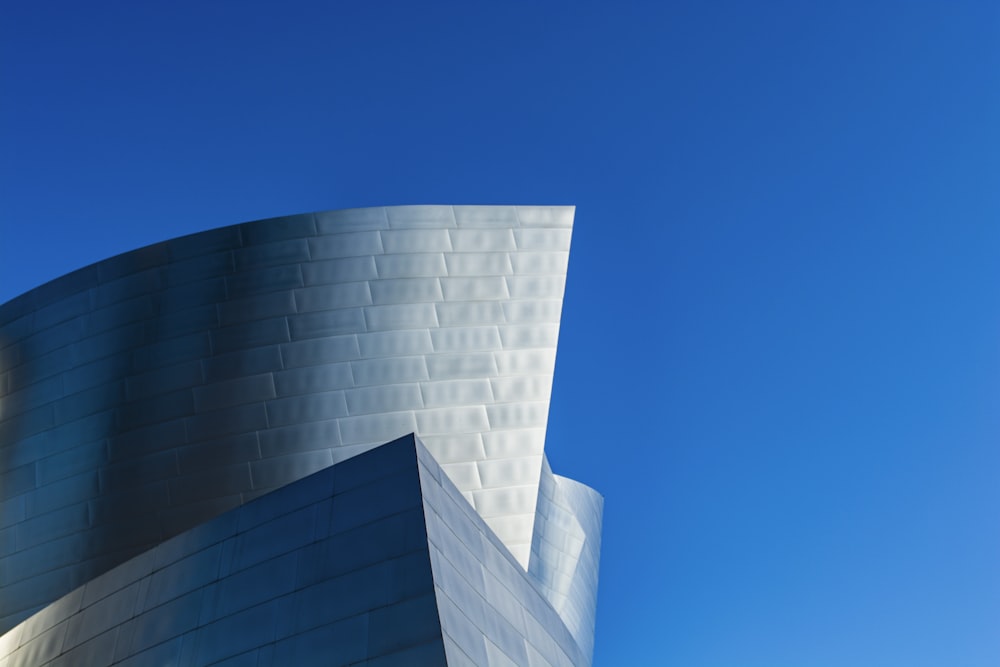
375	561
146	394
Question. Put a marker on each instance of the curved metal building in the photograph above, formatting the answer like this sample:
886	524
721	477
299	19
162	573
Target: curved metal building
159	392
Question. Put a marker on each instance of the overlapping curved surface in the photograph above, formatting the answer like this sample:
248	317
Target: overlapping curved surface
145	394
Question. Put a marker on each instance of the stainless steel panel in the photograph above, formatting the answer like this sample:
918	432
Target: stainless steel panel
351	219
351	244
482	240
395	343
336	271
132	262
249	389
431	216
526	312
307	408
536	287
328	297
240	419
326	323
466	313
250	334
312	352
389	371
478	264
67	309
275	229
416	240
401	316
543	239
461	365
299	437
311	379
168	353
411	265
261	281
372	429
529	335
456	392
518	415
386	398
465	339
256	308
241	363
405	290
471	419
163	380
271	254
199	269
474	289
202	243
545	216
486	216
530	262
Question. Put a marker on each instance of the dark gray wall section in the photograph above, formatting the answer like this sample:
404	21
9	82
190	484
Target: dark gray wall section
331	570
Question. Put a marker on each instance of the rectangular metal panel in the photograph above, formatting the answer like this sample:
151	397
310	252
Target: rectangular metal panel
482	240
401	316
389	371
275	229
248	389
456	392
405	290
395	343
407	217
416	240
464	313
350	244
474	289
385	398
546	216
461	365
485	216
326	323
543	239
479	264
289	251
324	350
250	334
347	269
351	219
309	379
299	437
307	408
261	281
257	307
376	428
242	363
411	265
329	297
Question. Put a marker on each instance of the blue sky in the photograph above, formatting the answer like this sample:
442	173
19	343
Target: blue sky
780	353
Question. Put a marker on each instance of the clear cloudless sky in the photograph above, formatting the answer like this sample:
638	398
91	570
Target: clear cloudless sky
780	351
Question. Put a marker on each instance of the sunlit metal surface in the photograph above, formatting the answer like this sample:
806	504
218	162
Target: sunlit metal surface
146	394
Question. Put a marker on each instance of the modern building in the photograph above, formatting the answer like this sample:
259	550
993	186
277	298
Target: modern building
193	457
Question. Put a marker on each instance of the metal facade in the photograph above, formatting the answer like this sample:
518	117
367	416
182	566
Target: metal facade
151	392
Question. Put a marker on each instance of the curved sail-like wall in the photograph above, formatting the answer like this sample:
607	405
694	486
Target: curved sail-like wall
147	393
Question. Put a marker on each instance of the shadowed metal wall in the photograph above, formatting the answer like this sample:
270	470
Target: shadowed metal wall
144	394
376	561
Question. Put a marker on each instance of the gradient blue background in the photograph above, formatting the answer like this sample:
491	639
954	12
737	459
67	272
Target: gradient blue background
780	354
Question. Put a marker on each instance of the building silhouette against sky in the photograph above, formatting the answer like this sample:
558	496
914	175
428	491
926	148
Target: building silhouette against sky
193	457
